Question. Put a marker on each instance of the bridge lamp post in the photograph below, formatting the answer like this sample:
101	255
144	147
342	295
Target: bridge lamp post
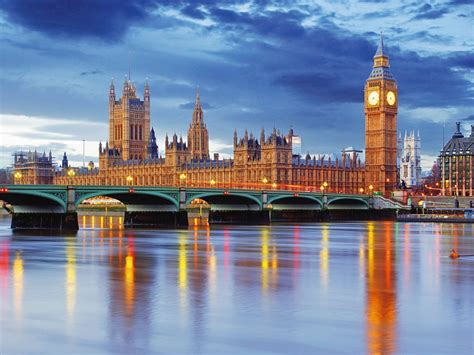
325	184
213	182
129	179
274	185
182	178
265	181
17	177
361	190
371	188
71	173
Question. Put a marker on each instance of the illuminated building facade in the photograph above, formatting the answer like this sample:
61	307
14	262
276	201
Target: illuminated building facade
32	168
381	102
410	159
130	155
457	164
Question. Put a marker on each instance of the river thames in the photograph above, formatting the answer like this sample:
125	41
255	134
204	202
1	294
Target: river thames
355	287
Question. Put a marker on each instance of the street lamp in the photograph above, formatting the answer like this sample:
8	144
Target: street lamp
361	190
264	180
182	177
71	173
129	179
18	177
274	185
213	182
371	187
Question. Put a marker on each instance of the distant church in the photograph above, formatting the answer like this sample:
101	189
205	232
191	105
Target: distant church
409	155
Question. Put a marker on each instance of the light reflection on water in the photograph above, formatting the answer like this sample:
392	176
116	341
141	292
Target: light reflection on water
368	287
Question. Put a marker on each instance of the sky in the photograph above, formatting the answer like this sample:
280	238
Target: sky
256	63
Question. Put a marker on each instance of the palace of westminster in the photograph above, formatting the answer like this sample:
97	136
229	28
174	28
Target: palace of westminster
130	156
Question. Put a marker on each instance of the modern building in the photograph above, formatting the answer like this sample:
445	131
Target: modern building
130	155
409	154
457	164
381	106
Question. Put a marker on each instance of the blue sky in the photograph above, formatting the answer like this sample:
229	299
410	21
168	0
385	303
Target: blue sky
257	63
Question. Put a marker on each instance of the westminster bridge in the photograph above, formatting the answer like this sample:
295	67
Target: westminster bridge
56	206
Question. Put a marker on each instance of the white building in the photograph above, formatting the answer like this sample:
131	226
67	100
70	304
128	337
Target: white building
409	158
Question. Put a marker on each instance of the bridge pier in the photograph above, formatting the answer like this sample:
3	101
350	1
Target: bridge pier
57	221
239	217
155	219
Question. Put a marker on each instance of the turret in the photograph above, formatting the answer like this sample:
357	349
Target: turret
262	136
64	163
235	137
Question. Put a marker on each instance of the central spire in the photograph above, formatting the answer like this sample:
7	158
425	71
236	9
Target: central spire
380	48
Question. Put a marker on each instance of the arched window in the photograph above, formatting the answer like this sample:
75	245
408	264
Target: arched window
131	132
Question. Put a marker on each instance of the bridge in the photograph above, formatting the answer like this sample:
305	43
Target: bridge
60	203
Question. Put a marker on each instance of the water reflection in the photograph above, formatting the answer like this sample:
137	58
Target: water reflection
70	277
324	257
18	285
4	269
229	289
381	306
98	220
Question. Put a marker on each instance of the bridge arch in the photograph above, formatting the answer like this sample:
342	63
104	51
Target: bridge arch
232	198
299	200
348	202
136	198
34	201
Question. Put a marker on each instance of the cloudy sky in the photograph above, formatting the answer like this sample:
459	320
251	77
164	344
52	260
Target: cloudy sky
257	63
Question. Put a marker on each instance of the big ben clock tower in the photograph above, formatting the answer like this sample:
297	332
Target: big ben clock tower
381	103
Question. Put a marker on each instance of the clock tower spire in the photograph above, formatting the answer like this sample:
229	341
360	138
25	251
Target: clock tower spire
381	105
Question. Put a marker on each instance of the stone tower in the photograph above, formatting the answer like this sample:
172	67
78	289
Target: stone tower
410	164
381	102
198	137
129	122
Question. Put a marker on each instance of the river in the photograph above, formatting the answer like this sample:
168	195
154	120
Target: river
356	287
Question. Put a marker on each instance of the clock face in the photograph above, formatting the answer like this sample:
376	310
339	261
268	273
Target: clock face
391	98
374	98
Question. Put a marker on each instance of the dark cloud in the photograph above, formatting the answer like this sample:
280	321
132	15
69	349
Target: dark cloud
91	72
104	19
193	12
469	118
430	12
267	68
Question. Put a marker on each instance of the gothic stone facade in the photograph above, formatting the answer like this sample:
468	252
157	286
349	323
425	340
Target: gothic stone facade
258	163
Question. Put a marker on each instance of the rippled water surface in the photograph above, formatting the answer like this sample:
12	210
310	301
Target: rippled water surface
363	287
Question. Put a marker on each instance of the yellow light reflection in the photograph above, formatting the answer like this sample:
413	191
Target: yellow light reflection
264	262
212	270
84	224
129	283
70	278
324	256
120	220
102	222
18	284
381	302
182	264
370	245
92	221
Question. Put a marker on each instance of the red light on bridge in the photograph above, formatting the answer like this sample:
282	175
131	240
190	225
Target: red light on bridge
131	190
4	189
296	194
226	193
